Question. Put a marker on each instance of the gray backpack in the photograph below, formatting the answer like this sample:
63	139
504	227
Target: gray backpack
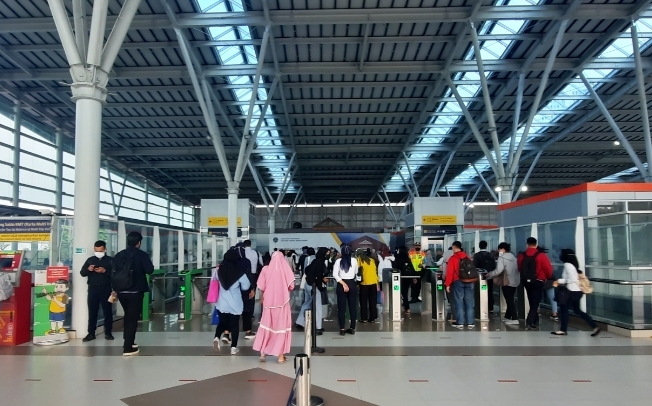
6	288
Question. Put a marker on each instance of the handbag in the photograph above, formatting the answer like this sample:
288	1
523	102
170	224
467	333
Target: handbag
562	295
213	288
216	317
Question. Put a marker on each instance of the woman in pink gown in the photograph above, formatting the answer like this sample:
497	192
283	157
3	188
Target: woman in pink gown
274	335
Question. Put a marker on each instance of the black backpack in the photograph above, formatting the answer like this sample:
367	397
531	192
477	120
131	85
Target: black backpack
529	267
311	272
486	261
122	273
468	271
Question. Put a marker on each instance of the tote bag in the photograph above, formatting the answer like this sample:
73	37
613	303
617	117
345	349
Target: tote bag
213	288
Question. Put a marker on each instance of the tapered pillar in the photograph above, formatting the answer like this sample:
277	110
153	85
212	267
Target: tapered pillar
58	195
233	212
15	195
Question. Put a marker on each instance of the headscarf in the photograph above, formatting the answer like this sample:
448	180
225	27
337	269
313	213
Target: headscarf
345	262
321	253
275	281
229	272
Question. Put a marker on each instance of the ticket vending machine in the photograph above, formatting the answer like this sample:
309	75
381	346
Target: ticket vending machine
15	313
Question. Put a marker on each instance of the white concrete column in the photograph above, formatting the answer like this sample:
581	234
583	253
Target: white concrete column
58	196
170	254
534	231
580	253
477	240
233	212
272	223
200	251
213	251
88	136
180	248
505	195
168	208
18	114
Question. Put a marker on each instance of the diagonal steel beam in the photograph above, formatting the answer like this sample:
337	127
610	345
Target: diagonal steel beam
640	80
527	175
363	48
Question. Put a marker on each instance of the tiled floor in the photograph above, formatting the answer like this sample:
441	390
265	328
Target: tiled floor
424	363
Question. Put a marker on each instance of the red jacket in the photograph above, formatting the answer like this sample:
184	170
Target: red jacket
544	267
453	267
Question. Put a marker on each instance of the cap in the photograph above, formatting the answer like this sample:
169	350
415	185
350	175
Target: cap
417	243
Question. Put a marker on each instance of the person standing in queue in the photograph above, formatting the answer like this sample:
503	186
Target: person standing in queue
417	258
536	269
463	289
97	270
129	281
404	265
368	288
509	279
345	272
484	259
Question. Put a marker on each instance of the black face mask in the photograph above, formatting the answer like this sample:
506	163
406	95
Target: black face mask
417	248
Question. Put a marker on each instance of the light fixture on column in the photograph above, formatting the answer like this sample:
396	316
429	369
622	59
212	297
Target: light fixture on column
616	142
524	188
471	205
498	189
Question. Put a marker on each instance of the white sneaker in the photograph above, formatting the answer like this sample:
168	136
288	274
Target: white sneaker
235	350
216	344
131	353
511	322
459	326
471	326
226	339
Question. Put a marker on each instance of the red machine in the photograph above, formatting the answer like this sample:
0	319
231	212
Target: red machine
15	313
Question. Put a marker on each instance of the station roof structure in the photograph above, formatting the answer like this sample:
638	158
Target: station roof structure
362	103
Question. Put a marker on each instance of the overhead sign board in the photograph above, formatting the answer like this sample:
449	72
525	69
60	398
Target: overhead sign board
221	221
24	230
449	219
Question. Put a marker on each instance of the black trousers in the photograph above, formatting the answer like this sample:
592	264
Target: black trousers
132	303
405	289
247	321
490	289
368	302
416	288
534	291
347	298
510	292
573	303
229	322
99	296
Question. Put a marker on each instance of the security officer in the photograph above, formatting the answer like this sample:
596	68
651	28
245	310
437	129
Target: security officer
417	258
98	271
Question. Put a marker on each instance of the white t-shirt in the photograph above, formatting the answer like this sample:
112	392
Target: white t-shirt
570	278
345	274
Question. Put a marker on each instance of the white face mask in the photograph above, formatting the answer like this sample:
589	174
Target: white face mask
100	255
500	253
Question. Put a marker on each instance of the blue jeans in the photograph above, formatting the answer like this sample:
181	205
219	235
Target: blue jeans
464	302
551	298
301	320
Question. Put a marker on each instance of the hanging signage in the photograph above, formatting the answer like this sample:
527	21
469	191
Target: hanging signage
25	230
449	219
434	231
221	222
50	304
222	232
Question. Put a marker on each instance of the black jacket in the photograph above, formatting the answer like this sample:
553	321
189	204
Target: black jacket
95	278
141	266
484	260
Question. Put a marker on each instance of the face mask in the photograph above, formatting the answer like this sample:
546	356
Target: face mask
100	254
417	248
501	253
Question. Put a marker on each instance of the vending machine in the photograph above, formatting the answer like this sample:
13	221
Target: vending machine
15	312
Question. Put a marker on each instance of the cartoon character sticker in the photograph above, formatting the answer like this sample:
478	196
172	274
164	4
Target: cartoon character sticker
58	302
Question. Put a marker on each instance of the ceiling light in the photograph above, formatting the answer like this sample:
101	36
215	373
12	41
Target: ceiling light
498	189
472	205
524	188
616	142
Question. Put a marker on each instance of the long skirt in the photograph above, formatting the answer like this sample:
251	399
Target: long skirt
274	336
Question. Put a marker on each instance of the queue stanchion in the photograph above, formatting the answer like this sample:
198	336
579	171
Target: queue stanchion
302	368
395	301
311	318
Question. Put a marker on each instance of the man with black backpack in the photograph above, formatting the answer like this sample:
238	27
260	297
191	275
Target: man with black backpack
535	269
129	280
484	259
461	276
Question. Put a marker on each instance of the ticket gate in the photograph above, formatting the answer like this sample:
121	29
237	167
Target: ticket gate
482	297
387	289
438	295
395	300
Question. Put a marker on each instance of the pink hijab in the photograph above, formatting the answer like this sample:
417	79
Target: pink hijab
276	280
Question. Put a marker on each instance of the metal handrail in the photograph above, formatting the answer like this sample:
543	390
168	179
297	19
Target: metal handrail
620	267
620	282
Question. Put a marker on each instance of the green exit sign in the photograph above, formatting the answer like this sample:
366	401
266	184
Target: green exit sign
182	288
440	287
484	287
397	287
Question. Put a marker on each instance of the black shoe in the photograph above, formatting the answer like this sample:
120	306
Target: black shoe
530	327
414	301
596	331
298	327
342	332
320	331
109	337
351	331
88	338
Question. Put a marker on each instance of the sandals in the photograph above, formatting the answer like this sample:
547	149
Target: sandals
262	358
282	361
